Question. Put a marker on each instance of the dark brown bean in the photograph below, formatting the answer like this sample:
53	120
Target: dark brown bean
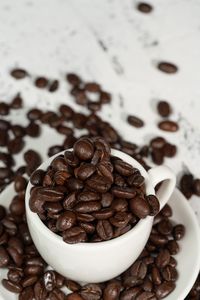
167	67
178	232
135	121
169	273
168	126
37	177
156	276
33	129
66	220
158	142
158	239
29	281
154	204
84	149
91	291
98	183
4	257
164	108
164	289
165	227
15	145
18	73
120	219
196	187
11	286
27	294
144	7
53	86
112	290
146	296
169	150
41	82
72	285
163	258
15	275
87	207
173	247
103	214
74	235
130	294
138	269
140	207
121	192
74	296
123	168
104	229
84	171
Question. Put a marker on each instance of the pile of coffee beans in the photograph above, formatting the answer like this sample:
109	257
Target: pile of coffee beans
65	121
87	195
152	276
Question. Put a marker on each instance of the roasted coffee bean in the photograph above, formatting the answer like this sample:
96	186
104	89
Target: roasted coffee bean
15	275
54	150
166	211
172	262
91	291
64	130
5	173
71	159
66	111
37	177
29	281
39	291
135	121
72	285
121	230
119	204
20	183
84	171
74	296
53	207
154	205
186	185
53	86
74	235
106	199
147	285
16	243
144	7
105	169
73	79
2	212
104	229
196	187
130	294
74	184
165	227
158	142
123	168
66	220
168	126
33	270
85	217
16	256
41	82
88	227
70	201
88	196
33	160
164	108
33	129
16	102
164	289
169	273
163	258
25	235
103	214
87	207
121	192
173	247
156	276
146	296
15	145
18	73
167	67
178	232
27	294
34	114
18	131
169	150
136	180
84	149
131	281
140	207
4	109
158	239
48	194
4	257
138	269
112	290
11	286
98	183
60	177
120	219
157	156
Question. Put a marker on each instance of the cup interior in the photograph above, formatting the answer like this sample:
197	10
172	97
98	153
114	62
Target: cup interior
33	217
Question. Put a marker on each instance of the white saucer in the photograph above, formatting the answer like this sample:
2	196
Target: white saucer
188	258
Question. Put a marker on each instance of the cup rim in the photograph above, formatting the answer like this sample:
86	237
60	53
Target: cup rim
33	217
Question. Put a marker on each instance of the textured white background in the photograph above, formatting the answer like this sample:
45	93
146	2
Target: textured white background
109	41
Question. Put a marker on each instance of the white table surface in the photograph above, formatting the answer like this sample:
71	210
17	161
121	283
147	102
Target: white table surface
110	42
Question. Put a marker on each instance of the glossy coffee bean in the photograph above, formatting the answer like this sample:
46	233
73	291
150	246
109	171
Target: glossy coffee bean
11	286
154	204
164	108
84	149
27	294
91	291
138	269
163	258
66	220
178	232
84	171
112	291
139	207
135	121
130	293
121	192
169	273
74	296
158	142
18	73
74	235
164	289
167	67
104	229
165	227
4	257
173	247
168	126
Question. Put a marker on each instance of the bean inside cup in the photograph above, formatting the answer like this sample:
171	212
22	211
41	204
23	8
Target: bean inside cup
87	195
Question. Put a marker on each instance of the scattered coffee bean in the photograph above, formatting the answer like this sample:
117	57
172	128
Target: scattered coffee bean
167	67
41	82
164	108
144	7
18	73
168	126
135	121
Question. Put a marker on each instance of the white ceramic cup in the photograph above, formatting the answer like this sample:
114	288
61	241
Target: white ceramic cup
98	262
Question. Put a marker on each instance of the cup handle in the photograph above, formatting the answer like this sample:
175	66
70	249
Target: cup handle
167	177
